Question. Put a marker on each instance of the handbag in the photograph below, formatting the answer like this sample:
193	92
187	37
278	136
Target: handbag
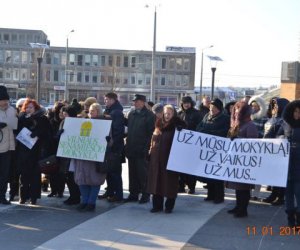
48	165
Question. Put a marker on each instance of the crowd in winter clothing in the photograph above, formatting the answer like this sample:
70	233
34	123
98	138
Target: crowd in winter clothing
146	143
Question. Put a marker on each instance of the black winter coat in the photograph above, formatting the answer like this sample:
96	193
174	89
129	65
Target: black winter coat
191	116
217	125
117	127
140	128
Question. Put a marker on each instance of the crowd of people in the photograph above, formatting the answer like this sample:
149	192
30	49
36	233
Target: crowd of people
143	136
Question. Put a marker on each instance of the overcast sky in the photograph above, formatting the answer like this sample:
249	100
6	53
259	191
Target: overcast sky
253	37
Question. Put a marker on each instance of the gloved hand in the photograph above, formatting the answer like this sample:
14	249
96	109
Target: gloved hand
108	138
33	134
59	132
2	125
179	128
232	138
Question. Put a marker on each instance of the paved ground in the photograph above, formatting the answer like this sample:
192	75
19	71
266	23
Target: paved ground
194	224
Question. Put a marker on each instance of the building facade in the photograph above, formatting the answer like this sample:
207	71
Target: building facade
290	80
90	72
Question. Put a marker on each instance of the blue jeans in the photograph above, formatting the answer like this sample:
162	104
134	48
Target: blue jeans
89	194
292	191
4	173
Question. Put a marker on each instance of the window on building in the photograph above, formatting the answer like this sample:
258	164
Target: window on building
32	57
8	56
71	76
16	56
24	57
125	63
87	60
63	59
186	64
55	75
6	38
110	61
8	74
1	73
24	74
22	38
125	78
14	38
1	56
32	74
132	79
48	58
133	61
185	80
171	80
47	75
102	78
163	63
110	79
95	78
171	63
179	63
148	79
140	78
56	58
118	61
79	77
72	59
103	61
87	77
79	60
148	62
95	60
178	80
16	74
162	80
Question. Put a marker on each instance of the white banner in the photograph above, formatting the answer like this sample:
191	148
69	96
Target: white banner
254	161
84	139
25	138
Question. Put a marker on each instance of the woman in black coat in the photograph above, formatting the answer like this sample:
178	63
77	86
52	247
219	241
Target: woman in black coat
33	118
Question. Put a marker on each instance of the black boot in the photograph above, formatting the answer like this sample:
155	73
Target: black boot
291	217
272	197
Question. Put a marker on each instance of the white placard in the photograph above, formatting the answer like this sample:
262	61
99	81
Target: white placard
84	139
253	161
25	138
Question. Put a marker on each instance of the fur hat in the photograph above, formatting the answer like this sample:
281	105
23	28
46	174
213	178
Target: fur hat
139	97
217	103
3	93
157	108
89	101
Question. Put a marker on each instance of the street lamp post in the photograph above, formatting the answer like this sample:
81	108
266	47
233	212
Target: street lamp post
213	62
41	50
201	73
66	95
152	90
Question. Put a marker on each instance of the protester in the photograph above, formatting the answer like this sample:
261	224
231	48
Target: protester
228	107
64	163
162	182
259	118
115	147
33	118
158	109
241	126
86	175
216	122
57	180
192	117
140	123
7	141
291	116
271	129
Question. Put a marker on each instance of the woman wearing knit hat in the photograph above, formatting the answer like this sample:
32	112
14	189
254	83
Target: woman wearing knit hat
7	141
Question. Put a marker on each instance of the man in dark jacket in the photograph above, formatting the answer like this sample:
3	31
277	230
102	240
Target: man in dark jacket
192	117
140	123
216	122
115	148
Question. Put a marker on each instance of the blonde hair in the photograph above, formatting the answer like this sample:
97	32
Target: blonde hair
98	107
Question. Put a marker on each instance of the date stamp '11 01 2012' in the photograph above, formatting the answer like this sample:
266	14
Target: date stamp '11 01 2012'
270	231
